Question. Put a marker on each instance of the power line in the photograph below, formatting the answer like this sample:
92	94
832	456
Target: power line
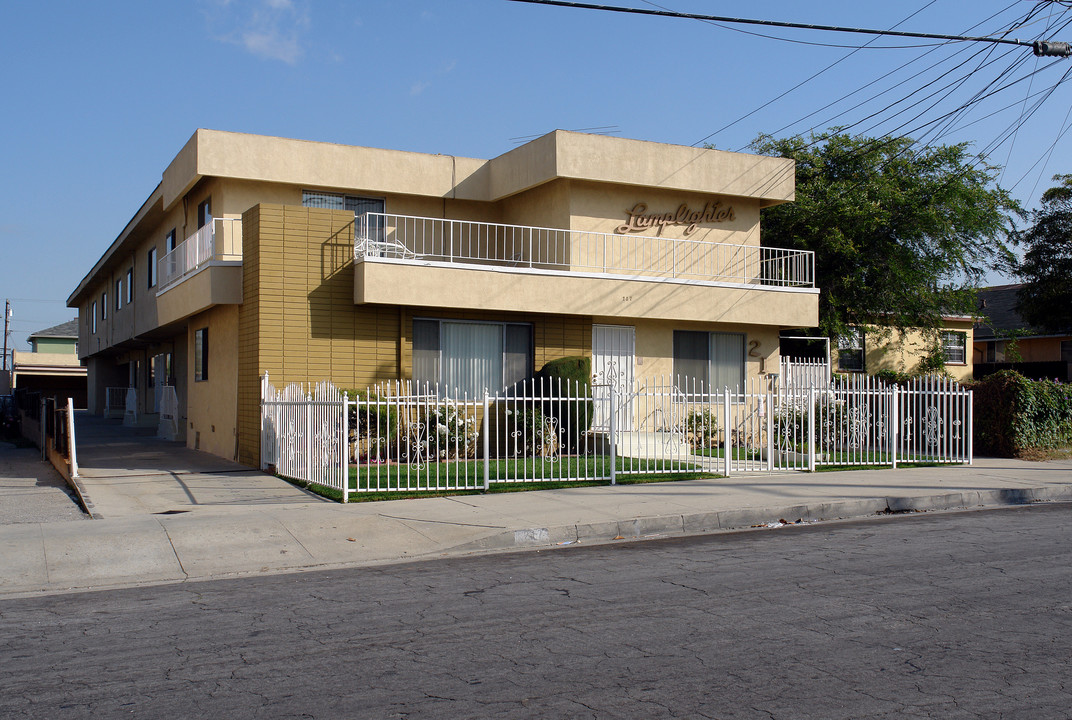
867	45
1040	47
934	66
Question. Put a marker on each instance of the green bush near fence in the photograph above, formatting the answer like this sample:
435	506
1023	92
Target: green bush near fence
1015	416
572	376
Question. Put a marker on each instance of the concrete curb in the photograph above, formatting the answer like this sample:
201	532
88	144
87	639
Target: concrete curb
74	483
728	520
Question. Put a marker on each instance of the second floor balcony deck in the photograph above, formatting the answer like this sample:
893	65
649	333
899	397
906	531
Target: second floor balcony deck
202	271
517	247
421	261
218	241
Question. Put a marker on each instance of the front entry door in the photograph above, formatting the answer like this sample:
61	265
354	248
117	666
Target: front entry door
613	371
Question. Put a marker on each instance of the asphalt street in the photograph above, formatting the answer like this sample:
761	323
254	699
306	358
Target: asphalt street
937	615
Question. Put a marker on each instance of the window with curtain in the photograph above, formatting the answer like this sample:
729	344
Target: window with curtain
707	362
467	357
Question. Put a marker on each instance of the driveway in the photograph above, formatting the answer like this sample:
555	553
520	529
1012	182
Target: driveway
129	471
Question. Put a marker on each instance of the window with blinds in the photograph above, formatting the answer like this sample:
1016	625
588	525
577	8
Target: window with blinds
332	201
954	347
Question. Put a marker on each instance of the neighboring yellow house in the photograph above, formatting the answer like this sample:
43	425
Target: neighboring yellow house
315	261
888	349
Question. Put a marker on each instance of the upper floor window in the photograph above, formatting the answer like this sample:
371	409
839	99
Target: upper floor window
93	317
333	201
851	351
169	241
150	272
119	293
954	347
104	305
204	213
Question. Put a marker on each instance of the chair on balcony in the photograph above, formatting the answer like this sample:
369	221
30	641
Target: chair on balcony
384	248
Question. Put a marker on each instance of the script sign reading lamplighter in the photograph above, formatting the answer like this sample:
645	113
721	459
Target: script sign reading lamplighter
640	219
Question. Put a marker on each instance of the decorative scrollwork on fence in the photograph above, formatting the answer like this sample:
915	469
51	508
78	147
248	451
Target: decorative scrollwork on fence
933	430
414	449
858	422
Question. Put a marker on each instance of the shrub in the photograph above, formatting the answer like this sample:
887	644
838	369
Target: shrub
567	377
1014	415
445	434
374	426
700	430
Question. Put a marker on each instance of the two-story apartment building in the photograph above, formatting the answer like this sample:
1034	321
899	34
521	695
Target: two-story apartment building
315	261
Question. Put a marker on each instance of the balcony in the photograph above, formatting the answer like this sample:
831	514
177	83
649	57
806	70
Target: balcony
202	271
435	262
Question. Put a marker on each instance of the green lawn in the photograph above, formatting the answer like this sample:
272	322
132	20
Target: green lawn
469	474
737	453
399	481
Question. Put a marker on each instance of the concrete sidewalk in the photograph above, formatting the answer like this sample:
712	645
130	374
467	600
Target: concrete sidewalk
171	514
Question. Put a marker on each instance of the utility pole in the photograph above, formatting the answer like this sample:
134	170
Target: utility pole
7	321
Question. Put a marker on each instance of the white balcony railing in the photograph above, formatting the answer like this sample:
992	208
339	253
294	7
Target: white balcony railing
437	240
219	240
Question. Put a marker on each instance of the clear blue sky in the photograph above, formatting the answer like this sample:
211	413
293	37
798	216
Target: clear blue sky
100	96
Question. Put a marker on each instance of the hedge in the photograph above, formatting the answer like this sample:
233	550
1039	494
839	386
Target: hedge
572	376
1015	415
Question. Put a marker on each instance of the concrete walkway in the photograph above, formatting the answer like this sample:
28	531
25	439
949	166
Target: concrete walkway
171	514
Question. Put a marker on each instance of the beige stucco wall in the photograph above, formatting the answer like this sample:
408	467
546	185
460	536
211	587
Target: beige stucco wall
655	347
604	208
383	283
213	284
212	403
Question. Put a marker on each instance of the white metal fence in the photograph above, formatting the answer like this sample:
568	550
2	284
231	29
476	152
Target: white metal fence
402	237
401	438
803	372
304	436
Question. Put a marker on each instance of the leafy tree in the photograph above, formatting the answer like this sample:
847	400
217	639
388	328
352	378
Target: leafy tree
901	235
1045	300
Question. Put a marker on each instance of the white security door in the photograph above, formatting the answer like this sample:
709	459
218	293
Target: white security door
613	370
